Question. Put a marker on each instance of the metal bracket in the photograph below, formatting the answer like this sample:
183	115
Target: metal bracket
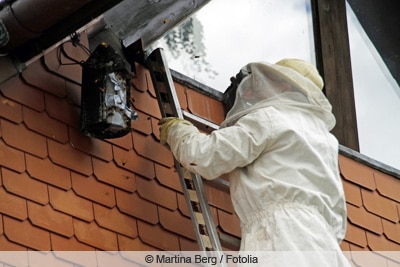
134	53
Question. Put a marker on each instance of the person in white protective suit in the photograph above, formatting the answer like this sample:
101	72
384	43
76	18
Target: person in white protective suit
276	148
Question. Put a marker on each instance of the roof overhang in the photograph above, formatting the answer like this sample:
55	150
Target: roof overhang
35	25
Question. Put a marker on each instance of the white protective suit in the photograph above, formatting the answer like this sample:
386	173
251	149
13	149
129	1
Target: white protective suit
282	162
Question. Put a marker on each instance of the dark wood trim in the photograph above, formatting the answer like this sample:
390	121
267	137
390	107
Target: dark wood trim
333	61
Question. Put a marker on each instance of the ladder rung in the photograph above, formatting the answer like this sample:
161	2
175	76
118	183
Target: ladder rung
200	218
193	196
206	241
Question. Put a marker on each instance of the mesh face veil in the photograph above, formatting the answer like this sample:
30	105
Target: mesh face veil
290	83
230	93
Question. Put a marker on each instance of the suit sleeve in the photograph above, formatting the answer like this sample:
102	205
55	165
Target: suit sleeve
223	150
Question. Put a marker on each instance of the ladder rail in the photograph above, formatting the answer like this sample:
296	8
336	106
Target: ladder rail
192	184
198	183
190	202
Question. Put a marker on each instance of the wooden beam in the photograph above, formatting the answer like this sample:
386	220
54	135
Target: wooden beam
333	61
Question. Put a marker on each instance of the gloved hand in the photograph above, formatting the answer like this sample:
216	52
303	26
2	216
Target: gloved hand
166	124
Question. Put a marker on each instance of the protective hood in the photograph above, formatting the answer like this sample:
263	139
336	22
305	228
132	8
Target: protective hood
290	83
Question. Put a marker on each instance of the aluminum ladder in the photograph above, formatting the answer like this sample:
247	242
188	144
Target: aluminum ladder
192	184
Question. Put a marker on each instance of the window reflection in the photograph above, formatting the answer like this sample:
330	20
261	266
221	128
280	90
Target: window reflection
377	97
213	44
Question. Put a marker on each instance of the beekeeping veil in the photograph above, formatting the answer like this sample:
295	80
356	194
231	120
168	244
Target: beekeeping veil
289	83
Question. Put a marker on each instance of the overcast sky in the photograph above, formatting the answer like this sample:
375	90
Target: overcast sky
240	31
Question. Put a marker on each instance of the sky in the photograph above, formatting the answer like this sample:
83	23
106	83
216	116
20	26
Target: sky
236	32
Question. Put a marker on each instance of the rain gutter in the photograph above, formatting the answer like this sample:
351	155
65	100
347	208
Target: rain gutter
28	19
28	27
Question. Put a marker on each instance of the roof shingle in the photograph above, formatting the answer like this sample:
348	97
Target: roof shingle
391	230
7	245
25	234
363	218
47	172
61	65
356	235
130	244
168	177
22	93
132	204
154	192
110	173
142	124
146	147
12	205
373	210
18	136
11	158
131	161
387	186
205	107
156	236
23	185
91	234
219	199
379	243
356	172
68	157
60	243
91	189
91	146
384	207
352	193
144	102
124	142
48	218
62	246
10	109
229	222
69	203
41	123
174	221
61	109
114	220
37	76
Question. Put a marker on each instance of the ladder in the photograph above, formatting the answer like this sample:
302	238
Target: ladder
192	184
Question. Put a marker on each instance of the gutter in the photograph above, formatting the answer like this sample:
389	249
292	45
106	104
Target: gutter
30	27
21	21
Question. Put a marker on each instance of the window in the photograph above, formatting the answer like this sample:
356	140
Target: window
377	97
213	44
223	36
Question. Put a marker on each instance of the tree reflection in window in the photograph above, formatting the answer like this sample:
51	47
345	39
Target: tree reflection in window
185	43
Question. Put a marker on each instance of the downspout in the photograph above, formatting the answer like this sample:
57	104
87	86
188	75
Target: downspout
24	20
